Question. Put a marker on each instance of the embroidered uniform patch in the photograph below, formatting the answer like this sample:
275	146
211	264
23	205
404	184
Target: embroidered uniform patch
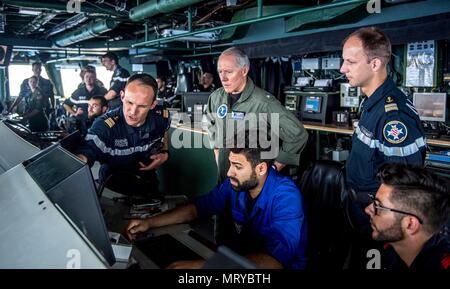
395	132
222	111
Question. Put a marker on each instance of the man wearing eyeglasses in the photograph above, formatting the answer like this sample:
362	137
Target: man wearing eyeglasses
409	212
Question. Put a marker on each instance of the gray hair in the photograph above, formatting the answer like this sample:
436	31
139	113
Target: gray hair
241	57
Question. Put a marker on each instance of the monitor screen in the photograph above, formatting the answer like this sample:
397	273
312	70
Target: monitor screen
312	104
430	106
68	182
14	149
194	101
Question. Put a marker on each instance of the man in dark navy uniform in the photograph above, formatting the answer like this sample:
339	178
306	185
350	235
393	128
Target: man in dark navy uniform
389	129
77	104
409	212
130	142
119	78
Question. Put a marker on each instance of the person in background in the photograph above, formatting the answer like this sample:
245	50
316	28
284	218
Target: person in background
77	104
35	108
119	78
207	84
45	86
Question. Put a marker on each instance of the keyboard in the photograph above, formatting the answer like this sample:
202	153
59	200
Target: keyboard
164	249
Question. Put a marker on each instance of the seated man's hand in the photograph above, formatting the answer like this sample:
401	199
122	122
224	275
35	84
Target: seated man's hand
158	160
196	264
136	226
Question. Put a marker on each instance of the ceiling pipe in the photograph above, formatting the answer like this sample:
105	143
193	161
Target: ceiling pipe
67	24
36	23
249	21
58	7
155	7
93	29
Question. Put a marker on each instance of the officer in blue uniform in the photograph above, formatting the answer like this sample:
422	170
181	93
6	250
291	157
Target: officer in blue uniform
77	104
389	129
130	142
267	210
119	78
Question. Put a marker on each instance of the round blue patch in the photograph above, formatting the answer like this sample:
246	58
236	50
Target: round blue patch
395	132
222	111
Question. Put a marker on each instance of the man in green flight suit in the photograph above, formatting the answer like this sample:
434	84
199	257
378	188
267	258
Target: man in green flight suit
239	102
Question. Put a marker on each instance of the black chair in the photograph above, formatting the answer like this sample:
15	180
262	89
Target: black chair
329	227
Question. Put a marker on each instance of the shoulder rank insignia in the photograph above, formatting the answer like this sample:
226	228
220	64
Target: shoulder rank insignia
390	104
110	122
165	113
395	132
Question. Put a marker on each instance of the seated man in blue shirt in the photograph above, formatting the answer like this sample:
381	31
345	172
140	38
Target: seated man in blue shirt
267	209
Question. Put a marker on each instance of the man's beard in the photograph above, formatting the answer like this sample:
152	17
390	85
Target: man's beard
246	185
392	234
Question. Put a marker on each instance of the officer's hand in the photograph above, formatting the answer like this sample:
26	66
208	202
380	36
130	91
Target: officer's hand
158	160
196	264
136	226
279	165
80	111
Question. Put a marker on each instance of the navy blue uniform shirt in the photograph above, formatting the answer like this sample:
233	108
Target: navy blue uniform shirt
81	96
118	82
277	218
110	140
389	130
434	256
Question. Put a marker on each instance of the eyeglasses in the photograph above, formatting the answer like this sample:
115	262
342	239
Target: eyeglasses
377	206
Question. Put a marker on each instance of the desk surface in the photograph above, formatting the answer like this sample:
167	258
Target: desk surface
349	131
115	222
317	127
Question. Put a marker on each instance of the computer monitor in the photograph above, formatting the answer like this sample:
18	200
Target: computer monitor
194	102
14	149
312	104
68	182
431	106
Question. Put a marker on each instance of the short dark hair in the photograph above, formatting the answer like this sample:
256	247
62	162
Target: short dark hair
416	190
103	101
251	148
36	63
111	56
375	43
144	79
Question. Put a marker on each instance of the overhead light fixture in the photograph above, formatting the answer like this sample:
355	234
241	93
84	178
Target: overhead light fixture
207	37
29	11
76	58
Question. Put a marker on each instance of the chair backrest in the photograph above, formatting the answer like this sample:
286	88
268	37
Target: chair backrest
323	188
